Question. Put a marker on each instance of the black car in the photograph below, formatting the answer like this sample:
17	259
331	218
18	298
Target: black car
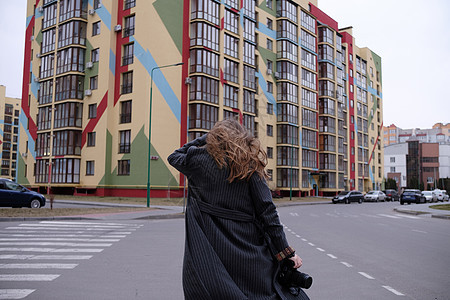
392	195
13	194
348	197
412	196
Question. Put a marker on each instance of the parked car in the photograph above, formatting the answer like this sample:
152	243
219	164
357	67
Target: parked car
412	196
439	194
348	197
446	197
13	194
375	196
430	196
391	195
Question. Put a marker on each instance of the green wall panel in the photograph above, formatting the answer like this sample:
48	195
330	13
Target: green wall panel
171	13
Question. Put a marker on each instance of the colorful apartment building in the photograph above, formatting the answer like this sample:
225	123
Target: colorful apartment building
9	134
102	78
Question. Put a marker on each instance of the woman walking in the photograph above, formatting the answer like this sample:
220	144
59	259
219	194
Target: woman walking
234	238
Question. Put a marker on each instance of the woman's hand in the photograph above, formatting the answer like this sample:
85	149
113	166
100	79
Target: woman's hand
297	261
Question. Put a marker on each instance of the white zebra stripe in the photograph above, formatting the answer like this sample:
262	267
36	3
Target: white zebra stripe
38	266
28	277
54	250
14	293
39	257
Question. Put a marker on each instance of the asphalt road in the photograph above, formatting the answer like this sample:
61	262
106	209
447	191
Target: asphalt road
353	251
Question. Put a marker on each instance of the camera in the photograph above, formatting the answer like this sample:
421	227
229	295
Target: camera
290	277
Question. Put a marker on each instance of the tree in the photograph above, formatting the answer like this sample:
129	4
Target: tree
390	184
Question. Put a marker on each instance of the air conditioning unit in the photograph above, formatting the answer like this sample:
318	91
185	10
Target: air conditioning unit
188	80
89	65
88	92
36	79
118	28
32	38
38	55
277	75
92	12
269	71
24	154
40	9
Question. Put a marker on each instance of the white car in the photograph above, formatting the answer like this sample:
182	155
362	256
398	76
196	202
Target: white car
439	195
430	196
375	196
446	197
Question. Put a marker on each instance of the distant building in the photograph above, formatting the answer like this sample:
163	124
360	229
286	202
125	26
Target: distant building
417	164
9	134
438	134
283	68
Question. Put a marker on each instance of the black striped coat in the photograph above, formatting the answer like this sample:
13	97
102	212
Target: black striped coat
227	259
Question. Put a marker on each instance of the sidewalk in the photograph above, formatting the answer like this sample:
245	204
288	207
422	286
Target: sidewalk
423	209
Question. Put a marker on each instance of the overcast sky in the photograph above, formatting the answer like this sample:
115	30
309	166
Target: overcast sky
411	36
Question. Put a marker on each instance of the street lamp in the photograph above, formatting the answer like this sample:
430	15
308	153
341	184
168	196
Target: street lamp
150	126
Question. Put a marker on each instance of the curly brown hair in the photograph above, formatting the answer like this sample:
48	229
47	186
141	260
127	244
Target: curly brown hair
233	147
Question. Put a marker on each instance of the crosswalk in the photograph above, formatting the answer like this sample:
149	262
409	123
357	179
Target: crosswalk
44	249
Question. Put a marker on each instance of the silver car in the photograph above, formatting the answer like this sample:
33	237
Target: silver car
375	196
430	196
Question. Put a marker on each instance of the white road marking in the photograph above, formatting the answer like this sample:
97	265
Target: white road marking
311	244
289	229
366	275
294	214
38	266
407	216
346	264
332	256
420	231
89	223
293	232
393	290
49	225
371	216
58	239
305	240
320	249
54	244
389	216
14	293
39	257
297	236
54	250
28	277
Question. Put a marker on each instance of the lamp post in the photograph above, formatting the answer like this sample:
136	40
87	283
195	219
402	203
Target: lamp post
150	126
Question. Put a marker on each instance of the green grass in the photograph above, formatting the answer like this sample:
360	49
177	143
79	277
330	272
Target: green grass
441	206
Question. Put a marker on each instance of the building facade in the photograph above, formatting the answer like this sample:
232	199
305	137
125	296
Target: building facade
9	134
102	78
439	133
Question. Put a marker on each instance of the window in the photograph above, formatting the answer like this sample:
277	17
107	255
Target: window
97	4
308	40
125	112
93	82
128	30
309	158
70	9
231	21
308	22
68	114
202	116
90	165
249	30
69	87
392	169
123	167
91	139
95	55
287	113
269	87
269	130
309	118
205	61
203	34
287	9
269	24
286	29
48	41
286	177
206	9
269	108
47	63
249	53
287	156
249	101
92	111
70	59
288	70
309	138
270	174
129	4
269	152
231	69
269	44
125	141
73	32
287	91
67	142
96	28
127	82
230	96
231	46
49	16
269	3
204	88
128	54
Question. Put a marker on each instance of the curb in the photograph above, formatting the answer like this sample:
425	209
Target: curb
412	212
447	217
